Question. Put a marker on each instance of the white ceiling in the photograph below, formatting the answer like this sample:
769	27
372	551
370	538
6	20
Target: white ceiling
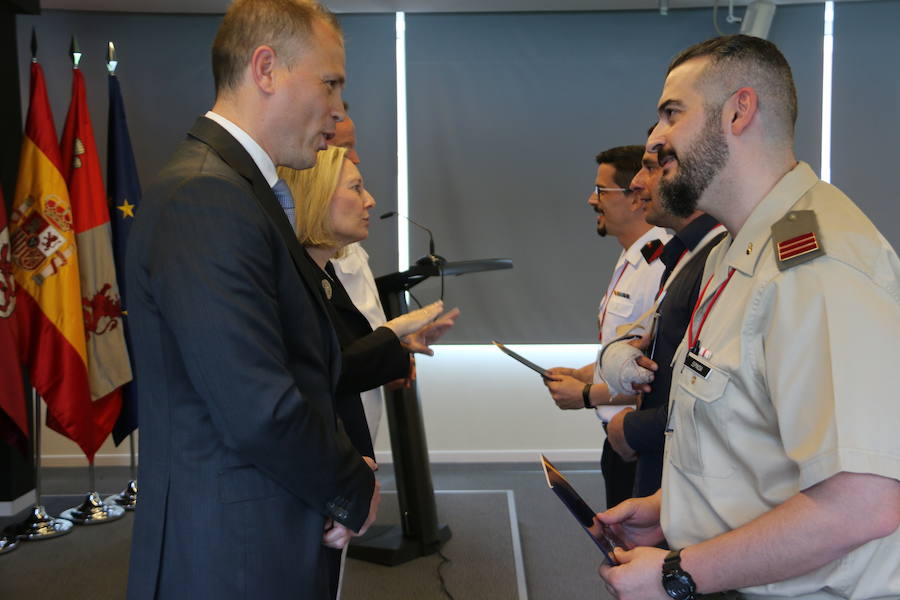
387	6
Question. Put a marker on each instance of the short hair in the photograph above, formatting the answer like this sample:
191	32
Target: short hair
626	160
313	190
285	25
742	60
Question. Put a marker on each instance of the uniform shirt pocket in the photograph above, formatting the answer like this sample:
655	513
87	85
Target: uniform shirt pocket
699	439
619	306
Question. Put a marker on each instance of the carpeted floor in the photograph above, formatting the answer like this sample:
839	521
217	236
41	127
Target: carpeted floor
482	554
559	560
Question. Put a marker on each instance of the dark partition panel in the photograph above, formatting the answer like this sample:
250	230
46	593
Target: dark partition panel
167	82
372	93
866	96
506	114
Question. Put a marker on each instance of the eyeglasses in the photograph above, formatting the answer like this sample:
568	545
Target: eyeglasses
599	190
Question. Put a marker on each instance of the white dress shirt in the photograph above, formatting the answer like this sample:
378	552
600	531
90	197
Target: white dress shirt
355	275
631	292
262	159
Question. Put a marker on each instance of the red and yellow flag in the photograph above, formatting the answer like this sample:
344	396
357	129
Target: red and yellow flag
45	264
107	356
13	412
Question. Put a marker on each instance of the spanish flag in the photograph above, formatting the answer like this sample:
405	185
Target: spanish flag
13	412
45	264
107	357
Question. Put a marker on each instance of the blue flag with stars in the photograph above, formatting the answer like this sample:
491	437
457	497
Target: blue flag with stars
124	197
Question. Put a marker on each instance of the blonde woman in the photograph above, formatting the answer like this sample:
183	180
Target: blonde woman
332	207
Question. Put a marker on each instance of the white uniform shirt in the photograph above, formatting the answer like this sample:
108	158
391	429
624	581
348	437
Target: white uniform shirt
631	291
797	385
354	273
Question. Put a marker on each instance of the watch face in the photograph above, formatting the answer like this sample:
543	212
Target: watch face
678	586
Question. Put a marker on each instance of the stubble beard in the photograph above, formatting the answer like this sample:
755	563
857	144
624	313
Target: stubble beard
696	169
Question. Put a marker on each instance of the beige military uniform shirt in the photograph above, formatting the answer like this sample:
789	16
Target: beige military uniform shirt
801	367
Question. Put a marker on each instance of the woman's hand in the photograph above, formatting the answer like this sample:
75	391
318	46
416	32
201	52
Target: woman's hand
415	320
420	340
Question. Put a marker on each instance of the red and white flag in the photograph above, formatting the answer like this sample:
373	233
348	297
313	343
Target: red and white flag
107	356
13	411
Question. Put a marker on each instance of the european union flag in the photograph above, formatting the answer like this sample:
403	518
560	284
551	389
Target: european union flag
124	196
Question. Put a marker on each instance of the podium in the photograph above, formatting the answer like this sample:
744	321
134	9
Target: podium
419	533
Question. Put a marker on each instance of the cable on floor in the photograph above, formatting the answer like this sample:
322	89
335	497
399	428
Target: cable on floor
444	561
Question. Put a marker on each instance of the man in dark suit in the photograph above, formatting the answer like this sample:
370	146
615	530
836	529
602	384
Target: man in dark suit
640	434
245	472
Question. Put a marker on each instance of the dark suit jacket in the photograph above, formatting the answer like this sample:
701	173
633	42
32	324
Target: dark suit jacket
368	359
242	460
645	428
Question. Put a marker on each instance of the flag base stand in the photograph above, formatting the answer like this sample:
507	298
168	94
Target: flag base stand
127	498
93	511
41	526
8	544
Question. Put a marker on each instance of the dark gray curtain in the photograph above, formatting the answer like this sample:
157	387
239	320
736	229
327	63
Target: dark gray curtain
372	94
166	80
506	114
164	72
866	98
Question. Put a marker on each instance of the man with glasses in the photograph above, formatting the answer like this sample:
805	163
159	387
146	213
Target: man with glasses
630	292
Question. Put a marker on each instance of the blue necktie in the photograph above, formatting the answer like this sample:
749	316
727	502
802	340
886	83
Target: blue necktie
286	200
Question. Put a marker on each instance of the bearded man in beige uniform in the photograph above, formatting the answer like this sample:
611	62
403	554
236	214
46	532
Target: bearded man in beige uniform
782	458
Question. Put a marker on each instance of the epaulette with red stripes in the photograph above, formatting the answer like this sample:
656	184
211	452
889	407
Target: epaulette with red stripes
796	239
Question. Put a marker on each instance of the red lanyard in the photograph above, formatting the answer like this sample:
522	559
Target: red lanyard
694	339
608	297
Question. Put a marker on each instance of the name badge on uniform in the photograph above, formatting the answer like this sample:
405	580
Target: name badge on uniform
693	363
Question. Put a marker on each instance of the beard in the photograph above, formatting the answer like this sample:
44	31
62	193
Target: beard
601	230
696	169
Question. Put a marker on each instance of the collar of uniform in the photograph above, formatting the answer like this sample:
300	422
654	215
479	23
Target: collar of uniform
633	253
260	157
757	230
696	230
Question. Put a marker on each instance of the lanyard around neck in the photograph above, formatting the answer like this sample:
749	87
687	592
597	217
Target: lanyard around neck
694	338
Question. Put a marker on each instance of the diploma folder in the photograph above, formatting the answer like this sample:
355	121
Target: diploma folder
539	370
605	539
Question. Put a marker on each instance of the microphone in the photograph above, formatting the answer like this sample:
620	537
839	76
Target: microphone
432	258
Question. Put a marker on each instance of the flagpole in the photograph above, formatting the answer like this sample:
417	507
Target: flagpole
92	510
127	498
39	525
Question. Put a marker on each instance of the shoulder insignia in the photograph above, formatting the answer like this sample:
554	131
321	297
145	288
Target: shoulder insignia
796	239
652	250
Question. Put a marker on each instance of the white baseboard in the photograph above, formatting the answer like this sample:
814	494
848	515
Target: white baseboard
503	456
78	460
12	507
435	456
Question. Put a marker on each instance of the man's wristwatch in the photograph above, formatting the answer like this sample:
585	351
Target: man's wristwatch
586	395
676	581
